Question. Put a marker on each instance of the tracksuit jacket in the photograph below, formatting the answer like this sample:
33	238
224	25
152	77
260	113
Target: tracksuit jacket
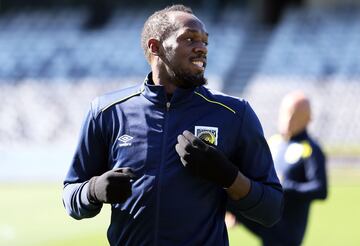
300	163
138	128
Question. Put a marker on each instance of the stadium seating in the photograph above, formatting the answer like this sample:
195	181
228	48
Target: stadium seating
315	51
51	68
50	45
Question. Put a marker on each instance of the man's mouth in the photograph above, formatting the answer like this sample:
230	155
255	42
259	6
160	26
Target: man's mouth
200	64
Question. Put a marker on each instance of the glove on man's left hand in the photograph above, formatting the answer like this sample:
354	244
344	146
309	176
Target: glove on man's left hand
205	160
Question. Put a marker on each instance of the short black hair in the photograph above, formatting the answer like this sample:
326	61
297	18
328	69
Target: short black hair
159	26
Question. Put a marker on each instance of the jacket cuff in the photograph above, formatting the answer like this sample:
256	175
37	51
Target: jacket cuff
84	200
251	199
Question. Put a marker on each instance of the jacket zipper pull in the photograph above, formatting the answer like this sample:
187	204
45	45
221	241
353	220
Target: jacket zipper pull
168	106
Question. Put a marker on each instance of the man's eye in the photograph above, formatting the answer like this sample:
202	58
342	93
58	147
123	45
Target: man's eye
189	39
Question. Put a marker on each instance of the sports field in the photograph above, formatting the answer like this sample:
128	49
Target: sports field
32	214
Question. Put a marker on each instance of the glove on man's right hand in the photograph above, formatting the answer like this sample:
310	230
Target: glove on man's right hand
111	187
205	160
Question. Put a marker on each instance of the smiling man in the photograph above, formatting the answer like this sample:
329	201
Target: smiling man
168	154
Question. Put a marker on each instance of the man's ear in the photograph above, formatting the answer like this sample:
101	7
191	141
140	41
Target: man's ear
154	46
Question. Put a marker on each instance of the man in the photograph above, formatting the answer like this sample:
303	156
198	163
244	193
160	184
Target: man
300	164
168	153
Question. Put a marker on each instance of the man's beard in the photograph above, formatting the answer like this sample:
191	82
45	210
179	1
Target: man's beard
180	77
185	80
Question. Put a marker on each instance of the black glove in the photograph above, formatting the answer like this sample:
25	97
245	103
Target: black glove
205	161
111	187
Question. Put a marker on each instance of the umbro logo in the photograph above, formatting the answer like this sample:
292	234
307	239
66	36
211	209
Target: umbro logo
125	140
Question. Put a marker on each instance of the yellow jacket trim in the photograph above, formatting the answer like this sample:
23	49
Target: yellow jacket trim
215	102
123	99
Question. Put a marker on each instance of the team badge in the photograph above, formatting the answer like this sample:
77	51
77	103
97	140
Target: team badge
297	151
293	153
207	133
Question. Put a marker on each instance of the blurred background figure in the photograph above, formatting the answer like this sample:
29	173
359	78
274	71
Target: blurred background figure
300	165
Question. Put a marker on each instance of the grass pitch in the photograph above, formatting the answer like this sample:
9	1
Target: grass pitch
33	214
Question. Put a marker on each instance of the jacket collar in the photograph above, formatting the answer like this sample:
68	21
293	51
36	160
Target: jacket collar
300	136
157	93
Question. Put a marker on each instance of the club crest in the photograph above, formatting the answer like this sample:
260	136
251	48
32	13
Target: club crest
207	133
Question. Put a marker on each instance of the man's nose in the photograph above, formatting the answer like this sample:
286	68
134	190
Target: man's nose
201	48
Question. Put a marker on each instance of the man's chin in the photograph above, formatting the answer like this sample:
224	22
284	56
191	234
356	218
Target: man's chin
188	81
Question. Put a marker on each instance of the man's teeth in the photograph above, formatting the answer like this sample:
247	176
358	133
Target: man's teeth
198	63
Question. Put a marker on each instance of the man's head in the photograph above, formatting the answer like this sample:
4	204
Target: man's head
294	114
174	42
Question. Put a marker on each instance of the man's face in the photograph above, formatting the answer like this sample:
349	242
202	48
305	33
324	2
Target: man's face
185	51
294	115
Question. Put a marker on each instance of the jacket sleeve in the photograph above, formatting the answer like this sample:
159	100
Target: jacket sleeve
316	185
264	202
89	160
77	204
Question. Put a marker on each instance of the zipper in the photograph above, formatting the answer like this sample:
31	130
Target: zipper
162	163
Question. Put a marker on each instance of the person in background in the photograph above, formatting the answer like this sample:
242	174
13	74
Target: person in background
166	154
300	165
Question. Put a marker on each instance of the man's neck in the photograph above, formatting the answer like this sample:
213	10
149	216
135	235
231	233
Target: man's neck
169	87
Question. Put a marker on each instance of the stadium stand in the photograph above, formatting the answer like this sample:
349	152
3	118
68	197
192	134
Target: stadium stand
51	68
42	44
315	51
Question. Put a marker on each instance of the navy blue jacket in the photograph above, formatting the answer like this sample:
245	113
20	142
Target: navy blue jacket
300	164
138	128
